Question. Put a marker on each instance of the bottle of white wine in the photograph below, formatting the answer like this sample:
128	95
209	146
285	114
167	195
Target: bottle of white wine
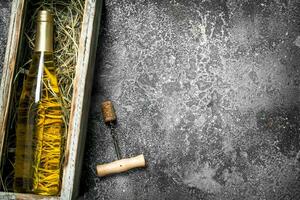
39	125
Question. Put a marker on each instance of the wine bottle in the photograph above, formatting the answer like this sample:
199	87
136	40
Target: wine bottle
39	124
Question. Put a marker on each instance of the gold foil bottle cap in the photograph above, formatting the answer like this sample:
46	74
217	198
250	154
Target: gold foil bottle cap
44	32
44	16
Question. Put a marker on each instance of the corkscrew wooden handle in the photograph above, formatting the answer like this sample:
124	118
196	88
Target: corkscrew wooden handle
121	165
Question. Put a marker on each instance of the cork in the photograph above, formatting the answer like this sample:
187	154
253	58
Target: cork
108	112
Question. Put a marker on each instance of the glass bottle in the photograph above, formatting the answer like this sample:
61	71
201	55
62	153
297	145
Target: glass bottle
39	125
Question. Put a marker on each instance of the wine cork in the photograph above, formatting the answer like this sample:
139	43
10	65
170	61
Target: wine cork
108	112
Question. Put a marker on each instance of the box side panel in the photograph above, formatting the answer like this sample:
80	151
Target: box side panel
81	98
14	37
18	196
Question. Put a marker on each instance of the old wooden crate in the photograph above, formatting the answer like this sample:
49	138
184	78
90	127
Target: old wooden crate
81	94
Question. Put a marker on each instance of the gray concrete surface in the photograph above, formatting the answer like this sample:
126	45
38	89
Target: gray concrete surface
4	23
207	90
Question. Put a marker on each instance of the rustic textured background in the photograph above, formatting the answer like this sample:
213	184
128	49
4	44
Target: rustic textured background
207	90
4	23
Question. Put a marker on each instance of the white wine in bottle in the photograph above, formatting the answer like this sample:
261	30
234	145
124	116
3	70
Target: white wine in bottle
39	125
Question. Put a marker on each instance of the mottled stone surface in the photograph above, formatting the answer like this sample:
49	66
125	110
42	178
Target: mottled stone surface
4	23
207	90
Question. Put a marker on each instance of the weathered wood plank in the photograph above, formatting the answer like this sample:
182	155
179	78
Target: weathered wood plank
19	196
81	98
10	61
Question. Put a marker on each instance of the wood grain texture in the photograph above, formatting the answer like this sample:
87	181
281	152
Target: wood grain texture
120	166
19	196
81	99
81	94
10	60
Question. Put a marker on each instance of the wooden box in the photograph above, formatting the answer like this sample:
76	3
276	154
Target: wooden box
81	95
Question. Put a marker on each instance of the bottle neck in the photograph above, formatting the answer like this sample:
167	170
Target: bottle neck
44	36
